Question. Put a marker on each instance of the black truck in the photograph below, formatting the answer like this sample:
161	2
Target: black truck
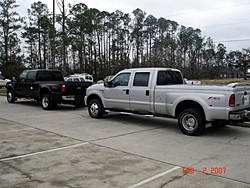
48	87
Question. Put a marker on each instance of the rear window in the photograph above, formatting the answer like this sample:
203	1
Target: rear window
141	79
49	76
88	77
169	78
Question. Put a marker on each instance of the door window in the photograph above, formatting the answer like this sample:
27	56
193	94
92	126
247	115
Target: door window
121	80
141	79
31	76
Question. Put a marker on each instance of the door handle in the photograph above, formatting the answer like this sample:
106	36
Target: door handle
127	91
147	92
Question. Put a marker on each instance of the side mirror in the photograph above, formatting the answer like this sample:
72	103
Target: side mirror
106	83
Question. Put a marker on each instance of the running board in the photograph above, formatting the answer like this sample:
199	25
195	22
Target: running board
129	113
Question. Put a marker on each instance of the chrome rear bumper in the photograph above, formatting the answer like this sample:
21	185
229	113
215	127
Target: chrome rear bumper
239	115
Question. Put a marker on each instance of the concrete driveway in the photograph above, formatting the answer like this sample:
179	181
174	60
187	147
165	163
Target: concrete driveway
67	148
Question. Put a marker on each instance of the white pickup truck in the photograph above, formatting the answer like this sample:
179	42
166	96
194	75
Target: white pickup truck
162	92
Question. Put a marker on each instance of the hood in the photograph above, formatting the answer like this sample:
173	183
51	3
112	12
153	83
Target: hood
96	87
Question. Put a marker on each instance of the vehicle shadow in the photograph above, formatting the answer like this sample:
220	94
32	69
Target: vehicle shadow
171	125
164	124
60	107
223	132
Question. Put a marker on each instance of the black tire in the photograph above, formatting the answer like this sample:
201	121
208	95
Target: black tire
191	122
47	103
11	96
95	108
219	124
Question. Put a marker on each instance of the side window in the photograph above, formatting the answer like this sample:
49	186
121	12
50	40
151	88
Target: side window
22	76
57	76
141	79
31	75
121	80
169	78
41	76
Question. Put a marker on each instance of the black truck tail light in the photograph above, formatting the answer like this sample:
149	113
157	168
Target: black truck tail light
63	89
232	100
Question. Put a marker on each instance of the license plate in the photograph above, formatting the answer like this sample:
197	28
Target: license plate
245	100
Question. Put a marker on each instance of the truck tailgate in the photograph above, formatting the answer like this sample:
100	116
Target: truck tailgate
242	95
76	88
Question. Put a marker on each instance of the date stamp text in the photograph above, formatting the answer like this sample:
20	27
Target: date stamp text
205	170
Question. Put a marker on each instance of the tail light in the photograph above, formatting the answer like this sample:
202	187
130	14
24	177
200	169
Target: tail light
232	100
63	89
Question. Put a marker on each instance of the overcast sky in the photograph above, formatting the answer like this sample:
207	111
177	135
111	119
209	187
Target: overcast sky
225	21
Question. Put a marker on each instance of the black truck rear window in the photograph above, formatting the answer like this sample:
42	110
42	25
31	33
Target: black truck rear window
49	76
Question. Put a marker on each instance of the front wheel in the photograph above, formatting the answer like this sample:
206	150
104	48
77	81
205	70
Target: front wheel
191	122
95	108
11	96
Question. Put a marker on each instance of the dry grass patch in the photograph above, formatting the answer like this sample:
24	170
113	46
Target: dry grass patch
223	81
2	91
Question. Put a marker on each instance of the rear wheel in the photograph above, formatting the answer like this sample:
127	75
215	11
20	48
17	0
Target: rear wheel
47	103
11	96
191	122
95	108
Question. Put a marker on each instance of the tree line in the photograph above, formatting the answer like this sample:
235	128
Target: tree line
102	43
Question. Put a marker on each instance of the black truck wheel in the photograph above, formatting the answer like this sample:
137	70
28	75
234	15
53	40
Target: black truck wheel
95	108
191	122
11	96
47	103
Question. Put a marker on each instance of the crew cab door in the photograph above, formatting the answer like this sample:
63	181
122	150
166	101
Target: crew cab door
116	96
20	85
24	86
139	93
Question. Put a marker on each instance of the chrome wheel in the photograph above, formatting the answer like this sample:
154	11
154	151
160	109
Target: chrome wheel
192	121
11	98
45	102
189	122
95	108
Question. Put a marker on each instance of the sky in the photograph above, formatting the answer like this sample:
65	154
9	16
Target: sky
225	21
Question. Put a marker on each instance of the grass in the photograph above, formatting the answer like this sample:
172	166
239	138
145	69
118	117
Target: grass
224	81
2	91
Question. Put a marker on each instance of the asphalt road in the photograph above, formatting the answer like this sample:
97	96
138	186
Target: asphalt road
67	148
